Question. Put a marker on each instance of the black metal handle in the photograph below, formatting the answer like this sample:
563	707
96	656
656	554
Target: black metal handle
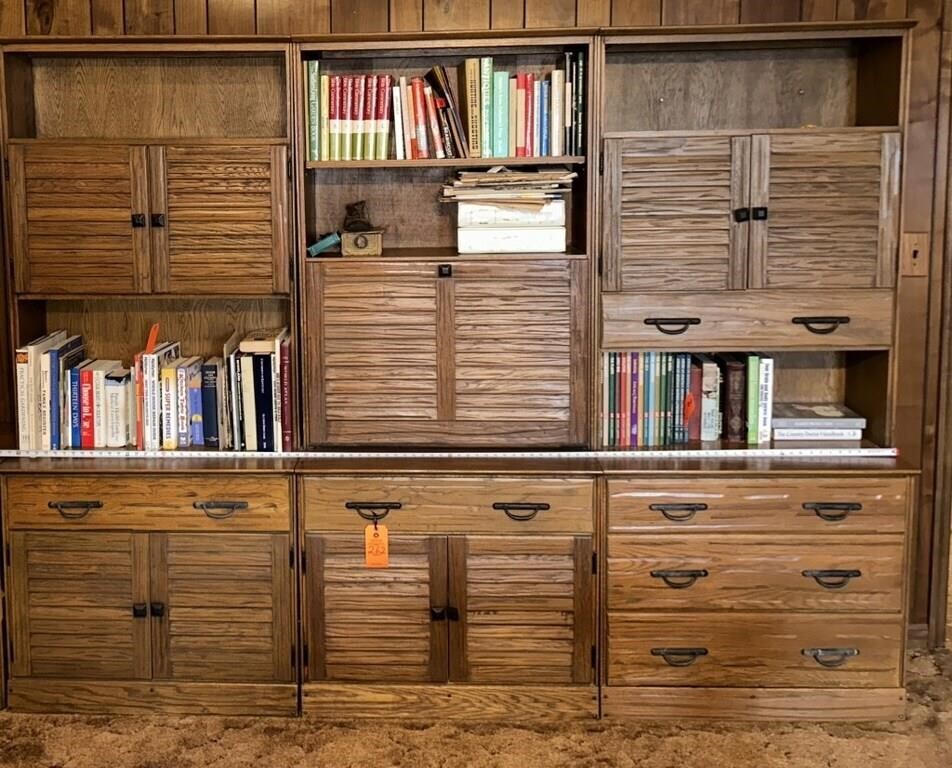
759	213
438	613
833	578
678	513
157	220
157	610
373	511
679	657
681	324
679	579
521	511
220	510
741	215
831	657
444	270
83	508
138	220
821	325
832	511
140	610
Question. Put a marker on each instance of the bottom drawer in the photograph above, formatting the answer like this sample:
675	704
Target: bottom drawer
737	649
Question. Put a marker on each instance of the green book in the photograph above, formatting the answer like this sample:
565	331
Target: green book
486	100
753	399
313	111
500	114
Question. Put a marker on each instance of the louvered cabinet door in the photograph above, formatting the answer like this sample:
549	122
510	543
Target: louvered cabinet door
225	227
674	213
832	202
376	625
373	353
222	607
518	352
526	606
79	219
79	605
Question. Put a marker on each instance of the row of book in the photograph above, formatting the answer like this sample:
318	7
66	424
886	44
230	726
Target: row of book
674	398
162	401
482	112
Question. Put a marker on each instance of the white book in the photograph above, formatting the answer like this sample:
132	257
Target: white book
408	128
536	118
131	407
276	409
34	353
248	402
557	93
765	404
552	214
511	240
46	427
398	147
100	368
710	399
117	408
818	434
229	438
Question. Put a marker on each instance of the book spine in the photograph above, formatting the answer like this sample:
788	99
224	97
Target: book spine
420	118
634	383
557	120
521	115
263	401
765	406
99	408
324	152
624	433
75	419
237	406
435	137
398	138
287	429
409	132
23	399
696	375
473	113
336	109
753	399
578	108
544	115
567	145
210	400
140	401
511	240
449	145
500	127
384	94
115	414
132	408
45	398
277	435
734	411
248	417
818	434
537	118
611	399
486	106
606	382
357	127
313	111
196	416
87	423
530	115
346	117
169	409
181	395
513	115
370	118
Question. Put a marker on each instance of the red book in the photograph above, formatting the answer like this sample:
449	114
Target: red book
287	437
87	434
530	115
357	125
409	120
434	123
692	402
346	118
520	114
334	106
419	117
384	92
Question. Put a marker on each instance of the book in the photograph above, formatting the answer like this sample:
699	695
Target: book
369	125
520	122
529	127
544	115
557	114
169	408
513	109
511	240
398	140
185	371
357	126
500	114
231	395
249	420
635	409
420	129
262	383
75	418
606	387
261	340
765	398
28	405
642	383
324	153
152	365
53	363
578	104
313	110
384	110
212	410
469	77
346	117
287	429
486	106
818	434
550	214
536	118
196	416
816	416
117	393
568	110
62	361
446	131
433	122
409	131
733	398
753	399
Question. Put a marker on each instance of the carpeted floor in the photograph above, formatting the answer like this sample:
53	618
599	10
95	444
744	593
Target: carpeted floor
924	740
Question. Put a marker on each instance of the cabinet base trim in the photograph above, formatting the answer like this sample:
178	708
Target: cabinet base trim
135	698
510	703
866	704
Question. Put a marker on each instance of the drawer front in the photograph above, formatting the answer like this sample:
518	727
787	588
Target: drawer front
782	505
821	319
778	650
150	502
654	573
450	505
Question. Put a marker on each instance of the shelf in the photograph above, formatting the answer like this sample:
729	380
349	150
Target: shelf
722	447
442	254
455	162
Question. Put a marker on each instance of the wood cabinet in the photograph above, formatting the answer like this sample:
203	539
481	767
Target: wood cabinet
512	607
135	615
479	353
194	219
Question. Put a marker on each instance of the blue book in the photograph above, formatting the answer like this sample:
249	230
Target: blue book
195	409
68	352
75	440
500	114
264	401
211	371
544	118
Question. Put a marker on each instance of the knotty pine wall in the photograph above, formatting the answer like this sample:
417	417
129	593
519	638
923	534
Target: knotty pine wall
926	159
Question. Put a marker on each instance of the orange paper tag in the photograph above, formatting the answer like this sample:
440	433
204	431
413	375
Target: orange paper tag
376	547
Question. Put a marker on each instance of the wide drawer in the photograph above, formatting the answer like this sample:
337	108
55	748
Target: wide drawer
667	573
821	319
150	502
777	650
777	505
450	505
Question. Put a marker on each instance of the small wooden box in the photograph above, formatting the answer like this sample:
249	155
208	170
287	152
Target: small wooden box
369	243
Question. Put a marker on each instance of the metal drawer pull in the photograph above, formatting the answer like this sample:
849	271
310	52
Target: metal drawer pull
821	325
158	610
220	510
679	657
140	610
82	508
832	579
521	511
441	613
373	511
679	579
678	513
681	324
831	657
832	511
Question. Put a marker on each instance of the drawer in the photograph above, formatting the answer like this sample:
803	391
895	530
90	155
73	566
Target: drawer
666	573
450	505
821	319
777	650
783	505
150	502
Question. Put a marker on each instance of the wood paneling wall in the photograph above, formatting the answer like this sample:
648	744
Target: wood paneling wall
924	193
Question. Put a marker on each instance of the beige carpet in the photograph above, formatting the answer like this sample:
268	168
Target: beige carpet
922	741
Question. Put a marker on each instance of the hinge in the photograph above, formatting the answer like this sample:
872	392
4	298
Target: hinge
593	656
594	563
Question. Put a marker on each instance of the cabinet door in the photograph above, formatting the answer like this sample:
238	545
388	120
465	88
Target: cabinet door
79	605
376	624
79	219
226	219
373	352
222	607
668	212
526	606
832	203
